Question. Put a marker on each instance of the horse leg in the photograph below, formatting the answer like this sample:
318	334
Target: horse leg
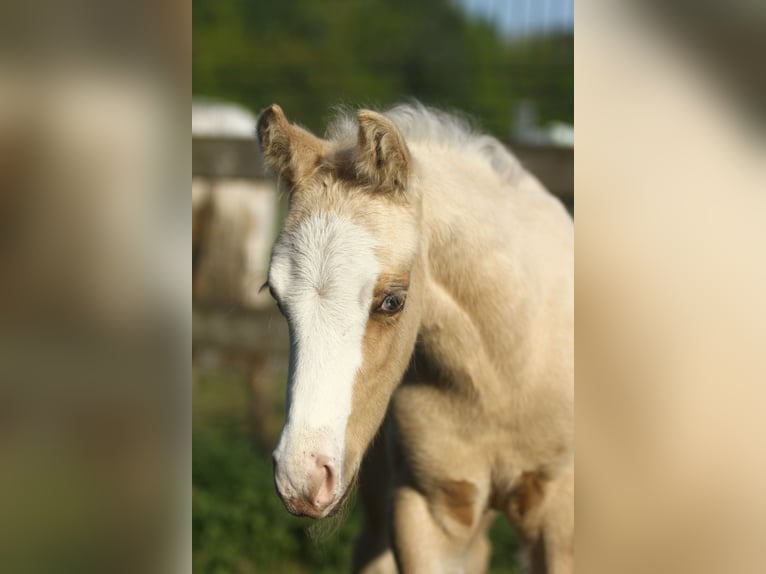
480	550
437	537
558	524
372	551
542	511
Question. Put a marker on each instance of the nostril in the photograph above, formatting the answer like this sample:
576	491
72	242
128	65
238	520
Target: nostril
321	460
329	476
325	465
325	484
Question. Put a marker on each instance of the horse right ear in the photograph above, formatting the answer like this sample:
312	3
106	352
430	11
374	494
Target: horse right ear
382	155
289	150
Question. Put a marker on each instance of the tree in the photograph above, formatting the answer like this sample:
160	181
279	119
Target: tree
310	56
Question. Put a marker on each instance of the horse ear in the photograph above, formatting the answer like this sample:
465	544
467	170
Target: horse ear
289	150
382	157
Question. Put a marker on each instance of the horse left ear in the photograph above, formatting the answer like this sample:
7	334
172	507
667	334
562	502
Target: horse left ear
382	156
289	150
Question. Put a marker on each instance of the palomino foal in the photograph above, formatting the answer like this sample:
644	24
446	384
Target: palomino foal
425	274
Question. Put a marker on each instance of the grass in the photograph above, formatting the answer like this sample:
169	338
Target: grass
239	525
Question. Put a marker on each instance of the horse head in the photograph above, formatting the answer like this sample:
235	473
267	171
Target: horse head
344	272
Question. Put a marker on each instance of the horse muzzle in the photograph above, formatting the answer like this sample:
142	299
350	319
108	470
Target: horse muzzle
307	487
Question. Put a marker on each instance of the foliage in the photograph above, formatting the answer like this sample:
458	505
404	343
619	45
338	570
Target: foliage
310	56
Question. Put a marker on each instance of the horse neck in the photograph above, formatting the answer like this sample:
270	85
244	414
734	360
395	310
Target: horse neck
467	299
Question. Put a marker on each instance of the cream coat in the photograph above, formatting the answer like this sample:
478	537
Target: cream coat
475	371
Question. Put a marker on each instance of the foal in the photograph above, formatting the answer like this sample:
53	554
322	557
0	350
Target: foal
425	274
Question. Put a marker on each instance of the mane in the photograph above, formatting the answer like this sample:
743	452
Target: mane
435	128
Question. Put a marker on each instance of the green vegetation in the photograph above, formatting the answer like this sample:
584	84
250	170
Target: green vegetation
239	525
310	56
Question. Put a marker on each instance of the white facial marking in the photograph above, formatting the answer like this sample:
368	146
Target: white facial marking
323	273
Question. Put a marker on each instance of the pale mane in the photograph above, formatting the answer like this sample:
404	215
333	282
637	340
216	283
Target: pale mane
427	126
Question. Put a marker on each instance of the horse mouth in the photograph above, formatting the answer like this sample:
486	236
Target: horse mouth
307	511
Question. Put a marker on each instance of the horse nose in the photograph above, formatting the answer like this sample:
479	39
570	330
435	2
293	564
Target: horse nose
309	492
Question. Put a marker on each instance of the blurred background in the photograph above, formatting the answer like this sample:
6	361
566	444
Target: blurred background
507	64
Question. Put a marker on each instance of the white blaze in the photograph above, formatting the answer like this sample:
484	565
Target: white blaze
324	273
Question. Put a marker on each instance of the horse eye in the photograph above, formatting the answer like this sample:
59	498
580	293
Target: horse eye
391	304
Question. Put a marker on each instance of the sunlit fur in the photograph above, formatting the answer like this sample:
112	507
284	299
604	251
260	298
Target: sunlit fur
476	371
434	129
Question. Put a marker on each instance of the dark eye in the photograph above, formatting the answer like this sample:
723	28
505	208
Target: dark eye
392	303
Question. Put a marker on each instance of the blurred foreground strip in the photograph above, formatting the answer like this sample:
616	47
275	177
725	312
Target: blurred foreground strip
671	275
94	295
